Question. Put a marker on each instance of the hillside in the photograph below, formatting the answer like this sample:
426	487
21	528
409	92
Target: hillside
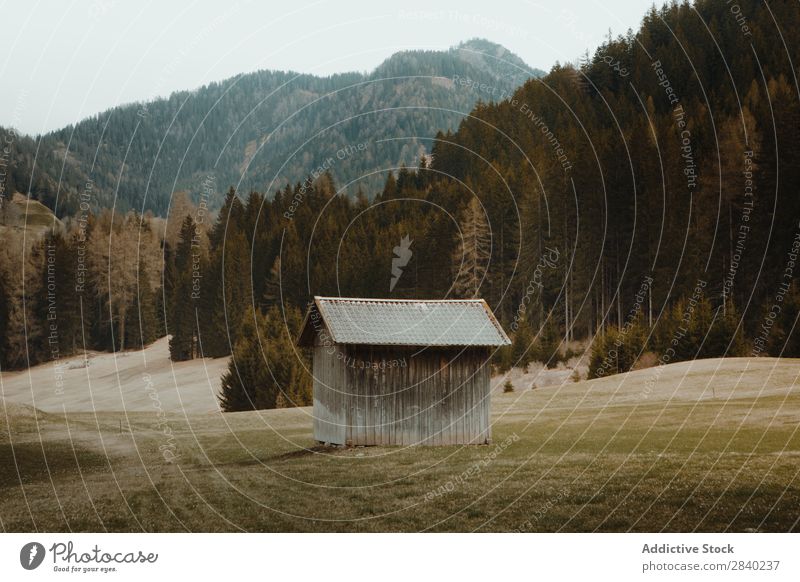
709	446
264	129
123	382
131	381
21	213
661	170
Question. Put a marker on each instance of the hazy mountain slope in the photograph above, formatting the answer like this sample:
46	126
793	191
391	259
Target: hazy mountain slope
260	130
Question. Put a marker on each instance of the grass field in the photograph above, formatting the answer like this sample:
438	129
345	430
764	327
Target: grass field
707	446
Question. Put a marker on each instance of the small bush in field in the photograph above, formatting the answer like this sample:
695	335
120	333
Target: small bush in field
508	387
646	360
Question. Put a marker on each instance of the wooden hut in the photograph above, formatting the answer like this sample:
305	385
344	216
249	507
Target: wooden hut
401	372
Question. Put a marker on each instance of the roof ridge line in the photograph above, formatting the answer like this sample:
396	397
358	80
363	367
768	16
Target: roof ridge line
385	300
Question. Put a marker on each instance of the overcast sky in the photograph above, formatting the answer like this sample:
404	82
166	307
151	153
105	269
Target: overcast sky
65	60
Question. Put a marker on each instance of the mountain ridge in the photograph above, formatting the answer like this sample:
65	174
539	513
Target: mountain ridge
262	130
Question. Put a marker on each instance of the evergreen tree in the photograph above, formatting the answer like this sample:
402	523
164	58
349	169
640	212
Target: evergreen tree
226	289
547	347
265	370
602	361
229	219
183	343
522	345
61	308
246	385
725	338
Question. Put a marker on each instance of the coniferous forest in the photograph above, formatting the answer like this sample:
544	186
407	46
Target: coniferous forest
642	204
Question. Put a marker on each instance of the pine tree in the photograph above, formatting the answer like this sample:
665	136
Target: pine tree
547	348
289	367
229	219
390	188
266	370
601	362
237	298
247	379
58	277
702	317
725	338
523	348
183	343
226	291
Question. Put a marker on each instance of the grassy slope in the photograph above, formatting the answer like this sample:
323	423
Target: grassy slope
23	214
119	381
608	455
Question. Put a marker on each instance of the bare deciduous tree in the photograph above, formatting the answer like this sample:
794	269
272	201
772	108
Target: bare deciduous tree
471	257
116	247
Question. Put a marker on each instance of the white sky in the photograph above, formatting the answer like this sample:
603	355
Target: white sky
63	60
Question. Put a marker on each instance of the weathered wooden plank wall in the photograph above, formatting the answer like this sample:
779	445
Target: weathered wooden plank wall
369	395
329	411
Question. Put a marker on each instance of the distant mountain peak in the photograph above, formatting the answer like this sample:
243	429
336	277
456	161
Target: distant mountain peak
491	58
484	46
262	130
495	57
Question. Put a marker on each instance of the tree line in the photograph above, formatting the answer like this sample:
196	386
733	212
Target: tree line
253	130
665	162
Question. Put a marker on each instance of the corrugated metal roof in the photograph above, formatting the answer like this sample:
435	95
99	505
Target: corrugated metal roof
467	322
